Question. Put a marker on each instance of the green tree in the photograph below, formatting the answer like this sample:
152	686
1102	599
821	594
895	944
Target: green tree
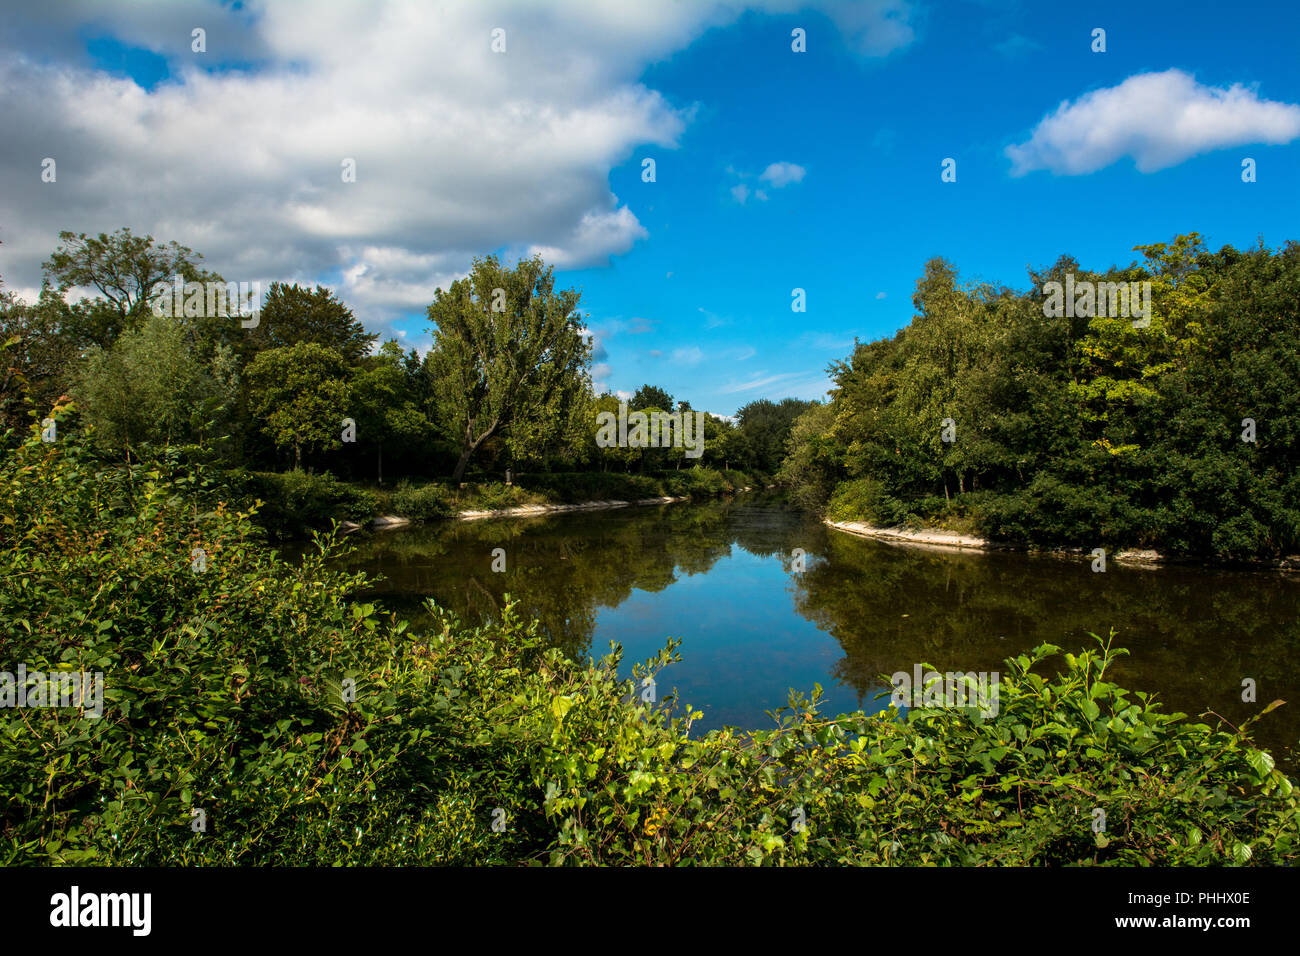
766	427
383	407
292	314
813	463
39	358
650	396
299	393
150	388
123	268
508	355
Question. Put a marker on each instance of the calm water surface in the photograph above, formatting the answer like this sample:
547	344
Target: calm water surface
720	576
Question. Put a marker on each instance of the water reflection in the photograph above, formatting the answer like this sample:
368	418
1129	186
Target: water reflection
719	576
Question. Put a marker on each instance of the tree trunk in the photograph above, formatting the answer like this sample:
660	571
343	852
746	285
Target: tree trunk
459	471
297	457
381	464
469	452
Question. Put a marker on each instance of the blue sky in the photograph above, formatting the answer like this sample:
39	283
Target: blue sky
871	207
687	279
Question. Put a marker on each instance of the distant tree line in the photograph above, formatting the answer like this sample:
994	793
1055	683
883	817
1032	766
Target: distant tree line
506	383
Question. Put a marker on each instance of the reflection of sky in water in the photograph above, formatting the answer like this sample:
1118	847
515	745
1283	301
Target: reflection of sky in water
743	646
716	576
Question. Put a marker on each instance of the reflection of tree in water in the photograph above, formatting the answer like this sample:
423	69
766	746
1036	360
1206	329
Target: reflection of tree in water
560	569
1193	634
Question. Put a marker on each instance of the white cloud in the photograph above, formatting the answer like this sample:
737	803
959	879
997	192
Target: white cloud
761	380
740	192
782	174
711	319
826	341
788	384
691	355
458	150
1160	119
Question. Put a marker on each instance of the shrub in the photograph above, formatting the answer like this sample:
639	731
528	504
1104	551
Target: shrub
496	496
294	503
421	503
865	499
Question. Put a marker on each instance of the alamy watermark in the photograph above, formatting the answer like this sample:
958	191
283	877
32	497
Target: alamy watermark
208	299
651	430
1086	299
58	689
953	689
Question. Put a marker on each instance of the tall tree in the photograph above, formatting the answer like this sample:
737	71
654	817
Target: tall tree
300	395
151	389
123	268
292	314
383	406
766	426
651	396
508	355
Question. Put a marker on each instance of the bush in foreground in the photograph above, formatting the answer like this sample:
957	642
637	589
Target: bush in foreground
296	728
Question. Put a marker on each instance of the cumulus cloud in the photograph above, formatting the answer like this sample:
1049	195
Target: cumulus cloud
1159	119
782	174
458	150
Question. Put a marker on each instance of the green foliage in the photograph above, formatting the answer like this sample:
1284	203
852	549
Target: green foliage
149	389
421	502
508	356
123	268
812	465
293	315
577	487
1080	431
383	406
865	498
299	394
494	496
766	426
311	728
650	396
294	503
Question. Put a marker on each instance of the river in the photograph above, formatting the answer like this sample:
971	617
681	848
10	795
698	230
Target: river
723	577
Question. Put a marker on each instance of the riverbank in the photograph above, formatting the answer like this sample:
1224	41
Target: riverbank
293	504
939	538
386	522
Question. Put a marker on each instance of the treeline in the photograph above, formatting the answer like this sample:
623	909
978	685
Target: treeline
506	384
990	412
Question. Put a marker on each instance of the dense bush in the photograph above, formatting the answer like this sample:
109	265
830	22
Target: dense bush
865	499
494	496
295	502
310	730
420	502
